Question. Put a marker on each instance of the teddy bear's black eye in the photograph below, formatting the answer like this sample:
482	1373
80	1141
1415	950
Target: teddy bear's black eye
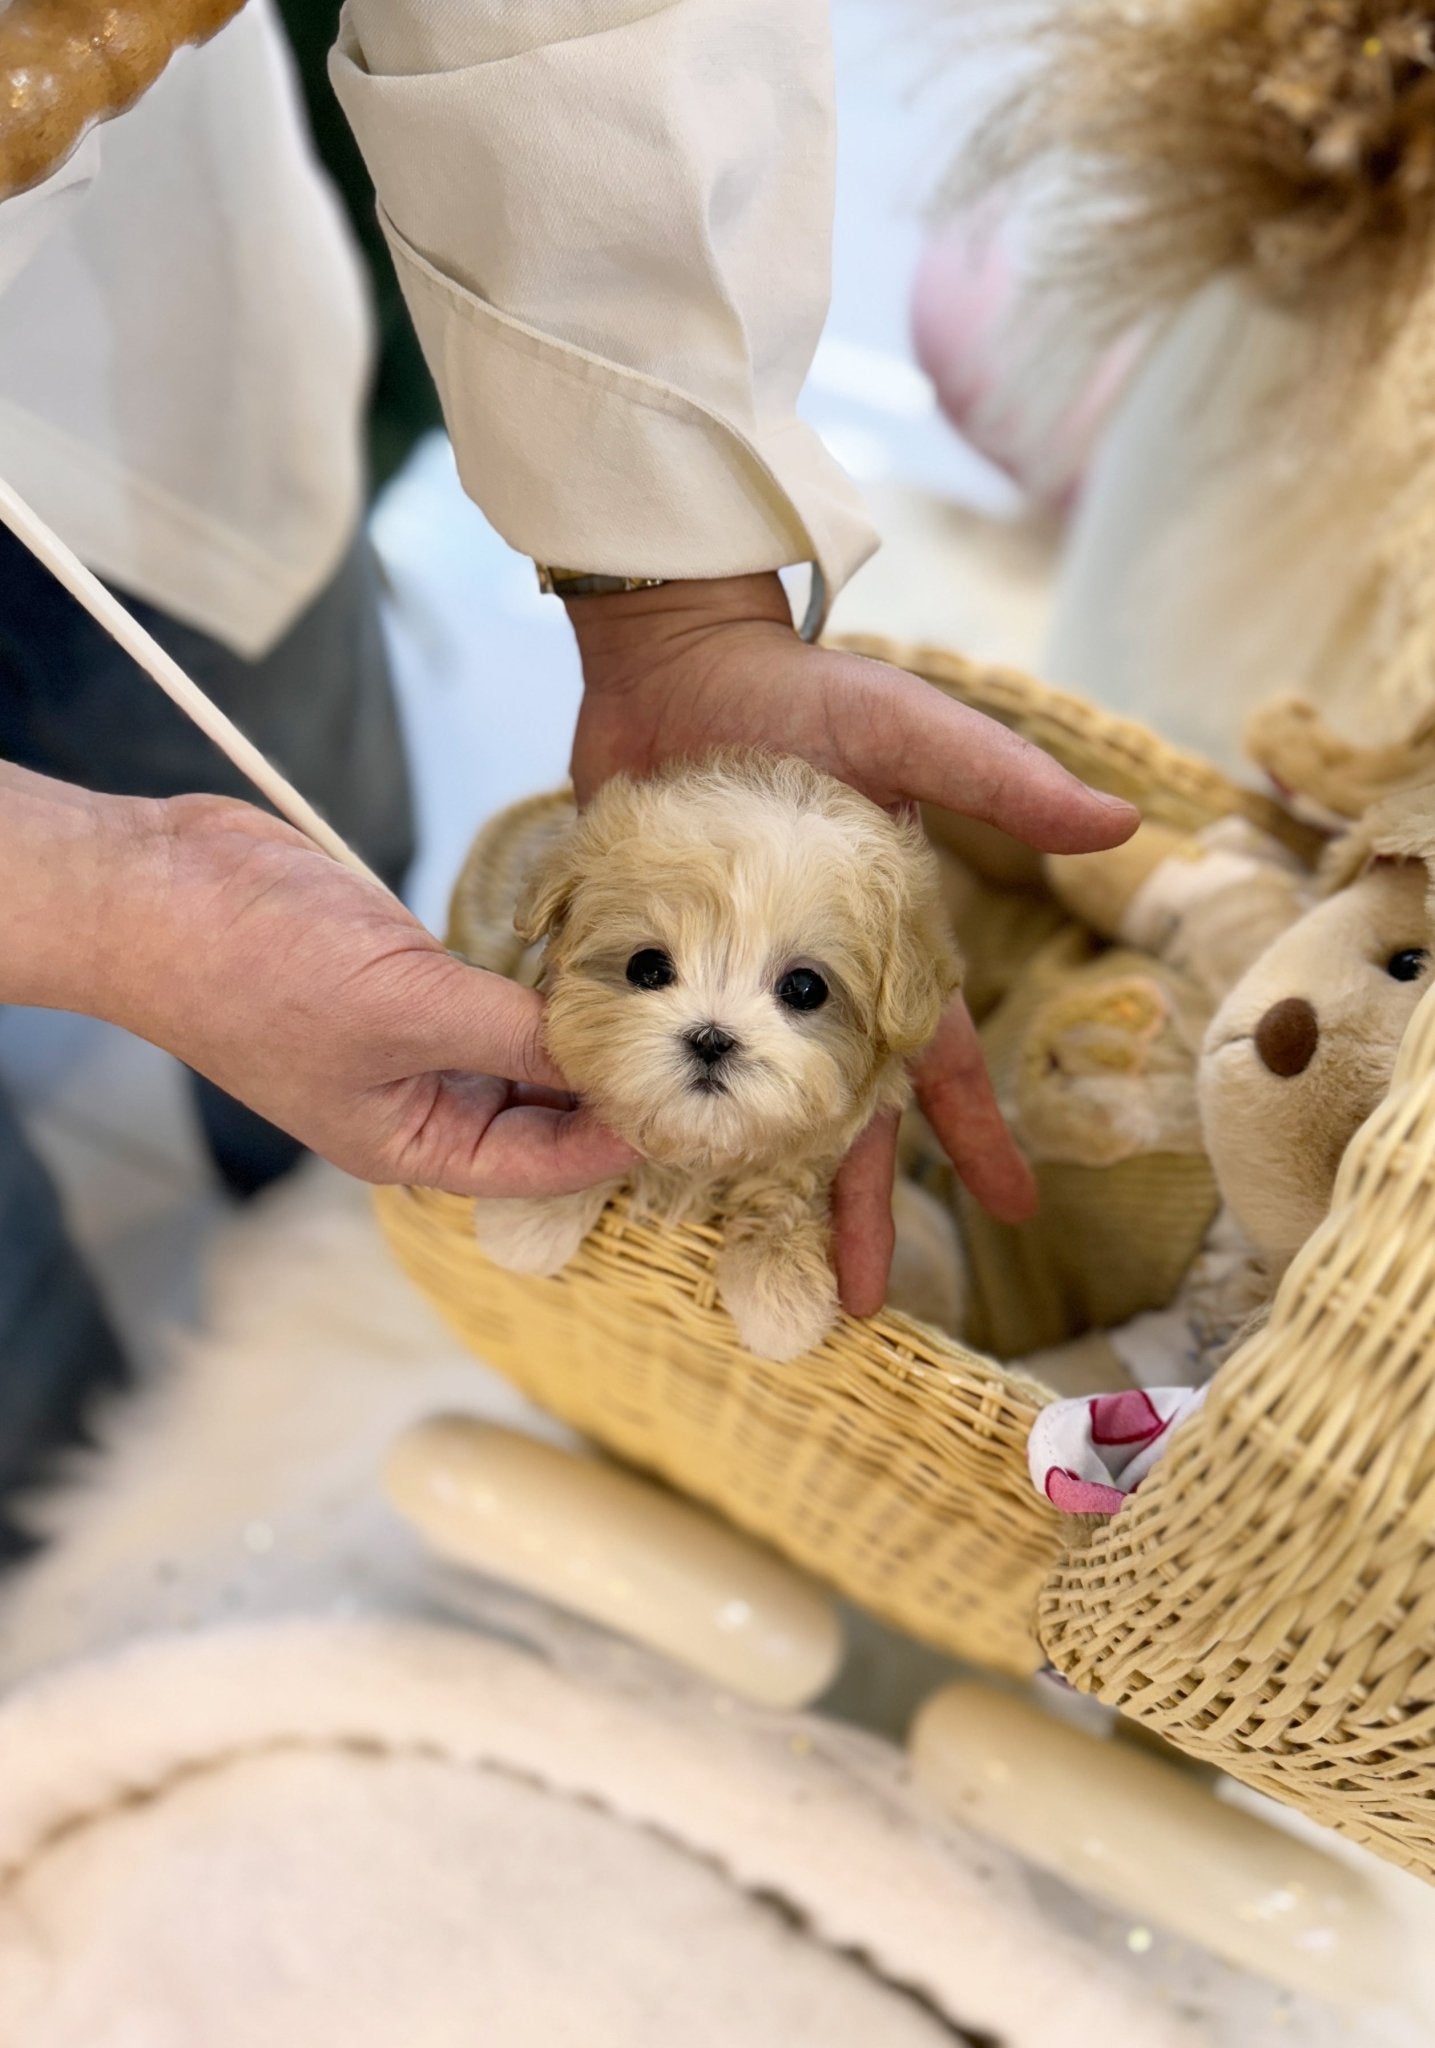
1407	965
651	969
802	988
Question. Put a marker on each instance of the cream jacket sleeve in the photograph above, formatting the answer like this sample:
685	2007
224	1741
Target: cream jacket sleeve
611	220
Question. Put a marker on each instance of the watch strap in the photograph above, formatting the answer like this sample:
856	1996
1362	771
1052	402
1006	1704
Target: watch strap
580	583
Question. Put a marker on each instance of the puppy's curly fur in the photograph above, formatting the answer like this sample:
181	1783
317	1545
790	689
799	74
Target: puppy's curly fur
740	956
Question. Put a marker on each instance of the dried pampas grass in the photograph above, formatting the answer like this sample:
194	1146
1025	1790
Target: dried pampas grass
1293	139
1287	142
1161	144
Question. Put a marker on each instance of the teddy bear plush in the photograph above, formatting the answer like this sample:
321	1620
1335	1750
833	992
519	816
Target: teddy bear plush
1303	1048
1184	1033
1294	1058
1093	982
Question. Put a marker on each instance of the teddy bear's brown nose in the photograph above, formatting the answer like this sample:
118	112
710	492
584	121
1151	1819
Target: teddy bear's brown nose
1287	1036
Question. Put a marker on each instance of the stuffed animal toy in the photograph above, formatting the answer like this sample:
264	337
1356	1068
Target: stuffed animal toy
1297	1056
1315	980
1186	1090
1303	1048
1094	994
1322	774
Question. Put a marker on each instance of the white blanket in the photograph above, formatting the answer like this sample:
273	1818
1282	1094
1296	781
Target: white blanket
269	1777
385	1832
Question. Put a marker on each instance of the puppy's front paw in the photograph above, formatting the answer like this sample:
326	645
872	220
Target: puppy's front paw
782	1298
536	1234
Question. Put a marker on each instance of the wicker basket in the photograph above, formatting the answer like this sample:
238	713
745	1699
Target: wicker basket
889	1462
1266	1601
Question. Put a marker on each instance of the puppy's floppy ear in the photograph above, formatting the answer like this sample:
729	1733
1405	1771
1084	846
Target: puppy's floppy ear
921	966
580	850
545	897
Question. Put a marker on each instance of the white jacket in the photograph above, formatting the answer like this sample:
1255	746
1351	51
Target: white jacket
611	219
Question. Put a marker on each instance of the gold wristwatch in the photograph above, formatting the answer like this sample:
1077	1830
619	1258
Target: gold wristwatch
579	583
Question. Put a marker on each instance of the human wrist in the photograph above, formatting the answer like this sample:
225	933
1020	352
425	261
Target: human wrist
77	876
623	634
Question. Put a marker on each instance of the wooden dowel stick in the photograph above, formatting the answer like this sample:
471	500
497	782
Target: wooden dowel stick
142	647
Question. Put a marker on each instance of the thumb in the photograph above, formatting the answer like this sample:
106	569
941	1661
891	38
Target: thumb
477	1022
475	1143
533	1151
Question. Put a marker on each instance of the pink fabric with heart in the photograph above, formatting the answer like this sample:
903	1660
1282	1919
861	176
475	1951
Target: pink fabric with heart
1087	1455
1129	1418
1076	1496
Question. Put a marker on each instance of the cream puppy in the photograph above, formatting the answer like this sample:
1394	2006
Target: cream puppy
740	956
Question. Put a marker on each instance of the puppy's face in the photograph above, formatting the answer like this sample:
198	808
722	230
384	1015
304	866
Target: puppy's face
739	956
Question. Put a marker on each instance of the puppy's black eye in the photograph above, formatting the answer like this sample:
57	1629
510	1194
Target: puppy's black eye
651	969
801	988
1408	965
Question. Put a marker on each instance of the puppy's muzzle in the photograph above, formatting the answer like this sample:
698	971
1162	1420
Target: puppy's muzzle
710	1047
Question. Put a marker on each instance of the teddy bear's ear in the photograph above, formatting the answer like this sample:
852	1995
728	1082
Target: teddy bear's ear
1400	827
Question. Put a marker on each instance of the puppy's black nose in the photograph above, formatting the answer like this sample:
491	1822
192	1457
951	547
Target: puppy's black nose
711	1044
1287	1036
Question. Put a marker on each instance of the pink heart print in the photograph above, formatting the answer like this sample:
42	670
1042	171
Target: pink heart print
1126	1418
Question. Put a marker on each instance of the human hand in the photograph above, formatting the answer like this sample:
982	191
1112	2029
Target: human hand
676	671
224	936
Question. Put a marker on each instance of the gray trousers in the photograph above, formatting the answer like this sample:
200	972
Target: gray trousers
321	705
